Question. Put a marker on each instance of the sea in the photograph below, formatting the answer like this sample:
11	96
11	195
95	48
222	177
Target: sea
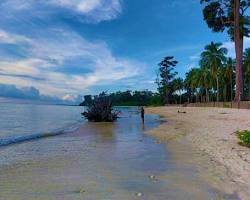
25	121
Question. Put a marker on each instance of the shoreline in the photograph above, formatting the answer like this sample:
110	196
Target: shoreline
212	132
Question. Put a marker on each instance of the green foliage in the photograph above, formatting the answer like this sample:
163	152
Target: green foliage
246	59
246	66
177	84
244	137
155	100
201	81
233	16
192	78
219	15
217	73
129	98
213	57
166	77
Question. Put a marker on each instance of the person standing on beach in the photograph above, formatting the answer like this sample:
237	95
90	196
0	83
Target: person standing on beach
142	114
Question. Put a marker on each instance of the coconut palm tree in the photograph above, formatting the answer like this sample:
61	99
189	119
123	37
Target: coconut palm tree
232	16
246	59
229	73
213	57
192	80
205	80
178	87
224	80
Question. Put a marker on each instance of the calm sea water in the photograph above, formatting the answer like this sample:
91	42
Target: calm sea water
26	121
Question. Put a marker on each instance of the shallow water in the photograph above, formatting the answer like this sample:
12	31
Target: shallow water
101	161
24	121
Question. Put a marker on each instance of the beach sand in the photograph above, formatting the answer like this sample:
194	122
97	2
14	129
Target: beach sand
210	131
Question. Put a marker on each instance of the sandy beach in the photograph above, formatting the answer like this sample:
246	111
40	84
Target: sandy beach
212	132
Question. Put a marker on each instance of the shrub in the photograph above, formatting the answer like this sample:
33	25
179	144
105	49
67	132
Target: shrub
101	109
244	137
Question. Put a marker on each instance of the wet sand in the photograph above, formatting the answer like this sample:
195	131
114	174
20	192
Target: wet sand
110	161
210	131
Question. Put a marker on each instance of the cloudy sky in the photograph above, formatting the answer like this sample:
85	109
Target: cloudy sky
66	48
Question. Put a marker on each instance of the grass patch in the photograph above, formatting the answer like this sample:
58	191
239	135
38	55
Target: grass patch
244	137
226	105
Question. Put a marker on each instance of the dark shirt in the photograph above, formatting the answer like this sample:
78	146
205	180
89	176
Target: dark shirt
142	113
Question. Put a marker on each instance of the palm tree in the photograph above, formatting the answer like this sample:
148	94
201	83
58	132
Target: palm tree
229	73
178	87
213	57
246	59
224	81
205	80
233	16
192	80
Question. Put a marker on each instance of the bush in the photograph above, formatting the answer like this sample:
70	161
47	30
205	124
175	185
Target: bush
244	137
101	109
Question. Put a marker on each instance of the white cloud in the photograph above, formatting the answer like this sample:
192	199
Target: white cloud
84	6
94	10
47	54
194	57
16	4
231	48
72	98
9	38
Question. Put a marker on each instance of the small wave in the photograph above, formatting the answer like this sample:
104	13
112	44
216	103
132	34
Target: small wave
20	139
27	138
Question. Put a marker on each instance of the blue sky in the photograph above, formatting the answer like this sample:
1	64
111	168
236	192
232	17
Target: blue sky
67	48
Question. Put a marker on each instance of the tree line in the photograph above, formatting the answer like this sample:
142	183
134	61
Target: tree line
213	80
232	16
127	98
217	77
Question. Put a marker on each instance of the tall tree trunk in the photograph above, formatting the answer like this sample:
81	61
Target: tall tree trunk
249	93
207	98
218	89
167	96
225	93
193	98
180	98
231	84
238	38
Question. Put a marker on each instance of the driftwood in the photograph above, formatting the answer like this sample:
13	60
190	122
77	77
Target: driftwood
184	112
101	110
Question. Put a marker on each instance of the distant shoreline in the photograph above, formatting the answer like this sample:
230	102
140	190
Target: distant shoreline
212	131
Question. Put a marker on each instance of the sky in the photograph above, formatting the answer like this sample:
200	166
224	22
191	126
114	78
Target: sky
64	49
